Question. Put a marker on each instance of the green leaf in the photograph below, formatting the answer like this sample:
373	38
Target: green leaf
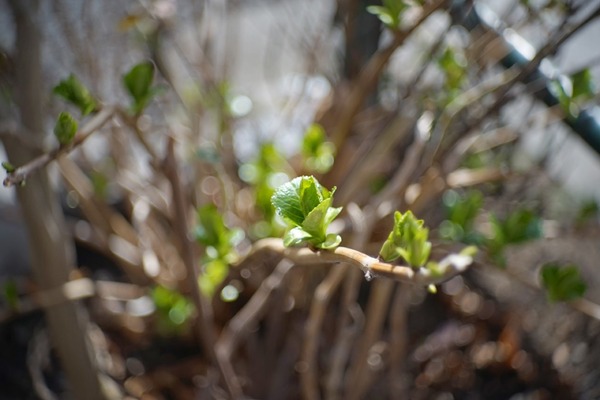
212	232
295	236
287	201
583	85
332	241
383	14
304	203
310	195
214	273
65	128
314	223
317	152
72	90
8	167
408	239
390	13
562	283
138	83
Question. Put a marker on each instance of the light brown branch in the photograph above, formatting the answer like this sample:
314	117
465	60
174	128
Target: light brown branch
20	174
450	266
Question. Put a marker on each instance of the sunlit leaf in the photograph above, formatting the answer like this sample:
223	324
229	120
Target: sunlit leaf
72	90
65	128
304	203
138	82
408	239
583	84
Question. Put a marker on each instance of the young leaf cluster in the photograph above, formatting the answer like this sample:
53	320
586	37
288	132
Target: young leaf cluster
172	309
461	212
390	13
573	91
562	283
519	226
72	90
318	153
138	82
219	242
65	128
306	206
407	240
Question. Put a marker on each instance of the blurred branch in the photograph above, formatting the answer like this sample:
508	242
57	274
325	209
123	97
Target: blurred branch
243	322
369	75
21	173
204	322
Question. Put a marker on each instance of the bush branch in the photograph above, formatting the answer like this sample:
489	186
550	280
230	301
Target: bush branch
20	174
450	266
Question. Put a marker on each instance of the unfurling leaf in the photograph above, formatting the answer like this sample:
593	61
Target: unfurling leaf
65	128
408	239
306	206
8	167
138	82
72	90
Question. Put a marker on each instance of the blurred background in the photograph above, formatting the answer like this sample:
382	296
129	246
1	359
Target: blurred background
131	265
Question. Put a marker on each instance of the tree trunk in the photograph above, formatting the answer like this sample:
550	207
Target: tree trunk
51	247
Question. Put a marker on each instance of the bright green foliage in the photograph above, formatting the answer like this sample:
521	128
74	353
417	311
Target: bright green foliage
219	242
72	90
318	153
65	128
461	213
264	174
573	91
306	206
583	84
138	82
408	239
520	226
390	13
454	67
562	283
173	310
8	167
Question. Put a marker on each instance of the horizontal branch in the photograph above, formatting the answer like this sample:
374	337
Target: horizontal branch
448	267
21	173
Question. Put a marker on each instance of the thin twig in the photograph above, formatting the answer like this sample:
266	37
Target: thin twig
20	174
243	322
370	74
372	267
204	322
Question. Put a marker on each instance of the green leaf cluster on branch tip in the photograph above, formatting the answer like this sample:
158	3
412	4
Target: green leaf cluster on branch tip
138	82
461	211
408	239
390	13
306	206
520	225
573	91
219	242
173	310
264	174
317	152
8	167
72	90
65	128
454	66
562	283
